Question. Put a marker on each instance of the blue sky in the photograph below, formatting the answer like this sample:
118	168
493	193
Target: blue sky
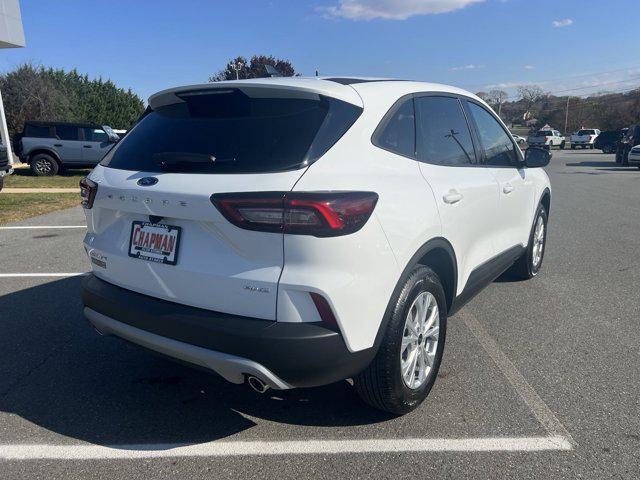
149	45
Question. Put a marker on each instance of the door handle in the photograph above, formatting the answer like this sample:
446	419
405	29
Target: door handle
508	188
57	144
87	146
451	197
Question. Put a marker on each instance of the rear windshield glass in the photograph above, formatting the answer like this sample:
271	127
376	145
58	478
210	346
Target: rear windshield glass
586	132
544	133
229	132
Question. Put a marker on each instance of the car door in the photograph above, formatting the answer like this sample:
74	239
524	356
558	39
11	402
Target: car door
466	192
516	187
67	143
96	144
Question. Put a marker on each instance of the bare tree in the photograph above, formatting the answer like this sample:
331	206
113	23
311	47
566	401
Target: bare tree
496	98
482	95
530	94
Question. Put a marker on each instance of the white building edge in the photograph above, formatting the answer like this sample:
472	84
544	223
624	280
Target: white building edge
11	36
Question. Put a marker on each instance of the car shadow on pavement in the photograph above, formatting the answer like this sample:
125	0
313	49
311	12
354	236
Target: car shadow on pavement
592	164
59	374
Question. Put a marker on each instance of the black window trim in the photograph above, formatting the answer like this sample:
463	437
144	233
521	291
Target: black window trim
519	158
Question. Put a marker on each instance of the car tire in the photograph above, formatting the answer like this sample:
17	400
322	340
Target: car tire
43	165
591	147
390	382
1	183
562	145
573	147
529	264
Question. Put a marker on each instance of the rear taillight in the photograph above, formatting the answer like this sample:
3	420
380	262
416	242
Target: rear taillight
88	190
321	214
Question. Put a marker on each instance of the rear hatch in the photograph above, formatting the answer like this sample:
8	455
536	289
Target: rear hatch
153	228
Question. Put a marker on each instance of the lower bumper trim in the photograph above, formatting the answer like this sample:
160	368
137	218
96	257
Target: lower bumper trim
230	367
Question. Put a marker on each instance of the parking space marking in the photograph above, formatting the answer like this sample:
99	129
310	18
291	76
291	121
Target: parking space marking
538	407
36	227
20	275
257	448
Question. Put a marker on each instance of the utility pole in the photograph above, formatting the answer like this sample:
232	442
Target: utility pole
566	116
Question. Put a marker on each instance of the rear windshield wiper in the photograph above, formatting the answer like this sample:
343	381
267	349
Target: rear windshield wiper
173	160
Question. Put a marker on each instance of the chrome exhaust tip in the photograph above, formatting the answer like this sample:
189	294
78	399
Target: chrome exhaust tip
257	384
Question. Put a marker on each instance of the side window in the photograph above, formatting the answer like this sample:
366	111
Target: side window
442	133
67	132
95	135
498	148
397	131
38	131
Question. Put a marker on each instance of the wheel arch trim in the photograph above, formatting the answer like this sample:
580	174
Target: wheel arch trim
437	243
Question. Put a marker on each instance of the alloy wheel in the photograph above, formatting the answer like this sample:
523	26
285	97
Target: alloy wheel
538	243
420	340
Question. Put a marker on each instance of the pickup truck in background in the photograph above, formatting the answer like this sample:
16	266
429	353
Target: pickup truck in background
546	139
584	138
49	147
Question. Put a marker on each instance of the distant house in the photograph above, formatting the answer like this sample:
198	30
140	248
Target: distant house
11	36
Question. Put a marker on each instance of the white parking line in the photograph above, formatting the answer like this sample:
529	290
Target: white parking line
35	227
303	447
18	275
540	410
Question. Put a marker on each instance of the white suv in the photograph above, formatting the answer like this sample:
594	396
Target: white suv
296	232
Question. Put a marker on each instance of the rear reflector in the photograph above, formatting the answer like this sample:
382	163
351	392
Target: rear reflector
321	214
88	190
324	310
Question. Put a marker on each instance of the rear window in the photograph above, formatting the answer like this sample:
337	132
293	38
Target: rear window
228	132
544	133
587	132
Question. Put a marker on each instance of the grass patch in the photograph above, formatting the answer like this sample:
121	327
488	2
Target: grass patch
23	178
18	206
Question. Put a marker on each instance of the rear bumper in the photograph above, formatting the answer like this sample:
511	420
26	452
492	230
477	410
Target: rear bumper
283	355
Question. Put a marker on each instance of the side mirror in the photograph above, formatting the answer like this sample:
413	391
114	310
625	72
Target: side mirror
114	138
536	157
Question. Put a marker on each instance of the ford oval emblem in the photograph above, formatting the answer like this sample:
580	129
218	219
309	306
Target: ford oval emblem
147	181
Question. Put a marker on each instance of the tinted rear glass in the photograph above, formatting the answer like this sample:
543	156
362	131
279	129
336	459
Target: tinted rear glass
545	133
586	132
41	131
229	132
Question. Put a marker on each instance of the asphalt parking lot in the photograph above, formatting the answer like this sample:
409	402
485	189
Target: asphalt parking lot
540	379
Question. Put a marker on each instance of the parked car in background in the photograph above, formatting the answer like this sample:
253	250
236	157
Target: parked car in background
49	147
4	164
253	228
520	140
630	140
608	140
584	138
547	139
633	158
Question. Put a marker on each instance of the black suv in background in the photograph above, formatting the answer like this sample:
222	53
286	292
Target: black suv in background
629	140
50	146
608	141
4	164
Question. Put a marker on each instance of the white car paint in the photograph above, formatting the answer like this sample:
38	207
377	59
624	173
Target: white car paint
481	211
